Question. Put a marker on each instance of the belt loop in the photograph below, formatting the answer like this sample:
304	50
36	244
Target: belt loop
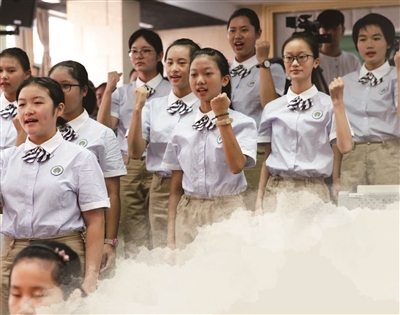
353	146
12	243
384	144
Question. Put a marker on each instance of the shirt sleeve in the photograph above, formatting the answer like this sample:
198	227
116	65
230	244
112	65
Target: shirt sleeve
111	161
265	128
279	78
116	102
146	122
170	159
92	192
246	135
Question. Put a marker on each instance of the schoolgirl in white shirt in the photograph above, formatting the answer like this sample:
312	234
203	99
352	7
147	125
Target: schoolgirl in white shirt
80	102
371	98
116	110
14	70
50	188
151	127
255	81
207	153
299	129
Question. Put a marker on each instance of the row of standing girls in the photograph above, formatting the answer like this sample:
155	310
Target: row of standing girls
195	141
66	190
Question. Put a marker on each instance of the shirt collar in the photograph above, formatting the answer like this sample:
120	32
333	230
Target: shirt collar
49	145
248	64
312	91
152	83
378	73
79	121
189	99
4	102
199	115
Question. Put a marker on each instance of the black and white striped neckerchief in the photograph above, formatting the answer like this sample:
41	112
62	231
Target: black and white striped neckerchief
204	121
67	132
299	103
180	107
9	111
370	77
37	153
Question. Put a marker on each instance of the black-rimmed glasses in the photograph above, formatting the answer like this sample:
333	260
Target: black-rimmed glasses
299	58
67	87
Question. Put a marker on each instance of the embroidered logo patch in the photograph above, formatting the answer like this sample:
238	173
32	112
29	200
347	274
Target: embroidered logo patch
317	114
57	170
251	84
219	139
83	143
383	91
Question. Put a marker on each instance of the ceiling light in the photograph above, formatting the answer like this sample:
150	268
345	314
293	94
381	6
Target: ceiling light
145	25
51	1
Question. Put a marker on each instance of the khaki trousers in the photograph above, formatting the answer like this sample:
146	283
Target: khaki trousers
371	163
276	184
158	209
195	212
134	194
253	177
10	249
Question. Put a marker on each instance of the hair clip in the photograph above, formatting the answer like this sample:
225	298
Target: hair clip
62	254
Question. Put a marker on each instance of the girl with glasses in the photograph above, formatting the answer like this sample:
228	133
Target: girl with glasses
80	100
299	130
116	111
151	128
50	188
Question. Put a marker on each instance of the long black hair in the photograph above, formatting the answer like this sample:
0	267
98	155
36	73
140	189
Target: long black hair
79	73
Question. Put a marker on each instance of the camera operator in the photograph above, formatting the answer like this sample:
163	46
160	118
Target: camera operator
334	62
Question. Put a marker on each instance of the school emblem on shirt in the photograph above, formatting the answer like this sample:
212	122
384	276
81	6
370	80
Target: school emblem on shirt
251	84
383	91
317	114
57	170
219	139
83	143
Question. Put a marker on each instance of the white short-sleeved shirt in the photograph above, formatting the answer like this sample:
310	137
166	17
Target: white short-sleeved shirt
200	155
334	67
8	133
101	141
123	100
300	140
158	124
47	199
372	110
246	91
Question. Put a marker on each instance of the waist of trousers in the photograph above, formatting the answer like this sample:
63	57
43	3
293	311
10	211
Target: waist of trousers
21	241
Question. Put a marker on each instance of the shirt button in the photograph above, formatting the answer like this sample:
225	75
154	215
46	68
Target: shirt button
365	117
29	187
34	167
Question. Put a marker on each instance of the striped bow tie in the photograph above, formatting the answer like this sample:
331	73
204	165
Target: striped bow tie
9	111
204	121
67	132
299	103
370	77
150	89
38	153
240	71
179	107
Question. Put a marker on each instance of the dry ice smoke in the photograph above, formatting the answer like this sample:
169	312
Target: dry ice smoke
307	257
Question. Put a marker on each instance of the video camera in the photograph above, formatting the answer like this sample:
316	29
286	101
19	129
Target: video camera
308	26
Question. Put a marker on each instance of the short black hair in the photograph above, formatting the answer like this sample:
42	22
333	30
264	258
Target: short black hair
383	22
18	54
184	42
330	19
250	14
